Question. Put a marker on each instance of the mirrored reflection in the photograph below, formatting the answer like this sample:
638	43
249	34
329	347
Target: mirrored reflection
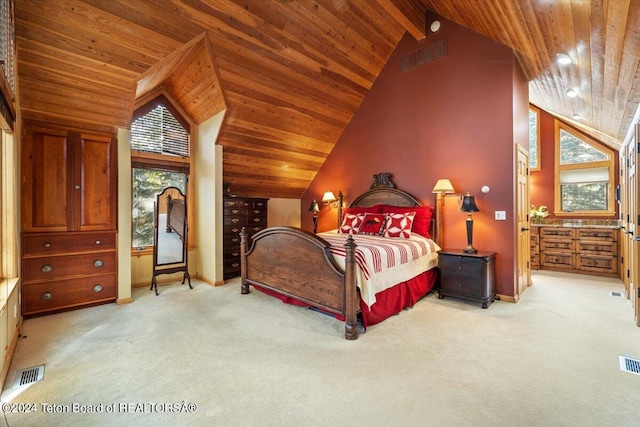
171	227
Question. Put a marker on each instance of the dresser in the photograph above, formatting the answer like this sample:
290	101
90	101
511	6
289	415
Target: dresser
239	212
67	270
467	276
577	248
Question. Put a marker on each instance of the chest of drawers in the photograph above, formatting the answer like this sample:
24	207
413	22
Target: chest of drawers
239	212
62	271
467	276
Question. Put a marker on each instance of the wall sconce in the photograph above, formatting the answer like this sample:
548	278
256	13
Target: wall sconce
469	205
442	187
315	209
329	199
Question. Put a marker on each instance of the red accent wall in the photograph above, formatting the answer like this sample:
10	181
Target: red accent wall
451	118
542	181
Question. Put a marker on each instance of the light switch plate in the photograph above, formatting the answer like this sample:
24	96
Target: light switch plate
501	215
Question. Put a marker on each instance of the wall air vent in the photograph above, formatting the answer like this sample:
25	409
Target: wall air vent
423	56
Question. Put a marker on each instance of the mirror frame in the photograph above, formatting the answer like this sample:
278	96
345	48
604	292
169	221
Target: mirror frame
173	202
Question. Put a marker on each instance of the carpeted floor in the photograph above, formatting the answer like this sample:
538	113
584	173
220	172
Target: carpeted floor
212	357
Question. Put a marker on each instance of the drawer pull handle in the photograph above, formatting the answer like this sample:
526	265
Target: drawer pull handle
98	242
235	240
257	219
46	296
47	268
459	285
98	263
77	187
234	220
97	288
47	245
235	211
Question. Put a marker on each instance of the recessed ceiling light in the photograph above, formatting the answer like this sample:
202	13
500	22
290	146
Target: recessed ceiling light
577	116
572	93
435	26
564	59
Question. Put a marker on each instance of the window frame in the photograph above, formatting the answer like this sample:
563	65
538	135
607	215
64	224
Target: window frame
148	160
538	166
609	164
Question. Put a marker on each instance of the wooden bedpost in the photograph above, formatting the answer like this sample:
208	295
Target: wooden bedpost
340	201
351	295
439	211
244	246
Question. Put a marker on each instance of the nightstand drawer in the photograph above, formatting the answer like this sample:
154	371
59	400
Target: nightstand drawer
460	267
458	285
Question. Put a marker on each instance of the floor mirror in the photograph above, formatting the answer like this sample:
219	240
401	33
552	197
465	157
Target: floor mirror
170	236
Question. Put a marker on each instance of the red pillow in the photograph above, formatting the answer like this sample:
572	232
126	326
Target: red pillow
373	224
351	223
422	220
399	225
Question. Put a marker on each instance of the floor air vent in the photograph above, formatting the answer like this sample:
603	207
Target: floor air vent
28	376
615	294
628	364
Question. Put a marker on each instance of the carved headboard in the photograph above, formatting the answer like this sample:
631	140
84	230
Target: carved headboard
384	192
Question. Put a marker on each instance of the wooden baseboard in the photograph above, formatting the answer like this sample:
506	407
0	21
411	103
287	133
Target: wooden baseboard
9	357
121	301
507	298
209	281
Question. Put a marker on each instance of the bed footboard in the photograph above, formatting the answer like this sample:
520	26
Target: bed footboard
295	263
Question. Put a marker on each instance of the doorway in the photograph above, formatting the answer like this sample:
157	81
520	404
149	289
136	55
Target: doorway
523	270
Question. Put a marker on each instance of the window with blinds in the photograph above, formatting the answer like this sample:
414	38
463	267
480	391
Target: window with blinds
158	131
584	174
7	48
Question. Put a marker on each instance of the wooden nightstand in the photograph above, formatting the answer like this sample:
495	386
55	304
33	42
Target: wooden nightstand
468	276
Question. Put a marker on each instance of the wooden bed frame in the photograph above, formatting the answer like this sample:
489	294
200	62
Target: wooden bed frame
175	216
295	263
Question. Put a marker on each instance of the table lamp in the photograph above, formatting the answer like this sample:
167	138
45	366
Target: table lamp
469	205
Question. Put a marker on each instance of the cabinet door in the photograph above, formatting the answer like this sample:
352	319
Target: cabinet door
69	181
95	183
46	169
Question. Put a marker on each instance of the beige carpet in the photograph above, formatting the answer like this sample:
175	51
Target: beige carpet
249	360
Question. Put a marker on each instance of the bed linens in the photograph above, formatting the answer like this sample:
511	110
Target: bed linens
384	262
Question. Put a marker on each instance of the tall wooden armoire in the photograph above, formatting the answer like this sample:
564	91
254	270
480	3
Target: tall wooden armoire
68	223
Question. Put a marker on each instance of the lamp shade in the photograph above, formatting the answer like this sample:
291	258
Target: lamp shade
469	204
443	186
314	207
328	197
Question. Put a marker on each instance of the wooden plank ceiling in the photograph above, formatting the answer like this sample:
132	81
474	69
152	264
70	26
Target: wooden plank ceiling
291	73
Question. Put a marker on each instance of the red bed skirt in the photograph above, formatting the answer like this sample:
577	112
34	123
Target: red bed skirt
388	302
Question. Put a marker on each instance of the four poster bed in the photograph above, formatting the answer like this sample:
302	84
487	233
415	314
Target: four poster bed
379	261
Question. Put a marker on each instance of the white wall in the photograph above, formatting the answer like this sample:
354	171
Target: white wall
208	191
283	212
124	217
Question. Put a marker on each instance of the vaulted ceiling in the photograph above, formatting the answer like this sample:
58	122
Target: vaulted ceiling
290	74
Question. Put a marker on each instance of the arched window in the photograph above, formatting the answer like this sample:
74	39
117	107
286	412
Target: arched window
160	149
